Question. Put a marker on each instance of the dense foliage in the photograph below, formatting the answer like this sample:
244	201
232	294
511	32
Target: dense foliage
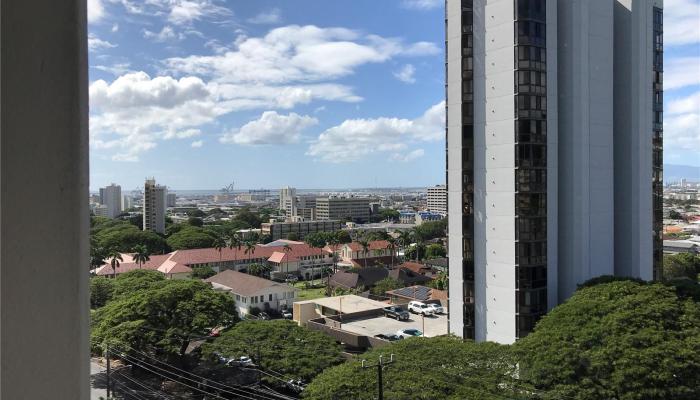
621	340
431	230
191	237
203	272
101	290
122	236
682	265
162	317
381	287
279	345
435	250
424	368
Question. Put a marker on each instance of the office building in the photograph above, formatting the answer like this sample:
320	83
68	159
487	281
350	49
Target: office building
554	155
154	206
171	200
355	209
127	202
437	199
287	198
282	230
101	210
112	199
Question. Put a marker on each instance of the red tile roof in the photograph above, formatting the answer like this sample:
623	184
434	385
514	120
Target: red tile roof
162	263
374	245
211	255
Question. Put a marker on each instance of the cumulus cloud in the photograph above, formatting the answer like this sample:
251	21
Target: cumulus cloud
683	17
422	4
197	144
96	44
410	156
273	16
682	123
355	139
297	54
271	129
95	11
681	71
406	74
165	34
114	69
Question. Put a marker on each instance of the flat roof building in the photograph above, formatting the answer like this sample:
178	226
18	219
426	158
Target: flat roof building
282	230
437	199
341	208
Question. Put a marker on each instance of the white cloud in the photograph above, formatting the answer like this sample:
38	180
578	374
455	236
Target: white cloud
681	21
115	28
136	105
271	129
186	11
114	69
354	139
681	71
197	144
95	11
410	156
682	123
422	4
297	54
406	74
165	34
273	16
95	43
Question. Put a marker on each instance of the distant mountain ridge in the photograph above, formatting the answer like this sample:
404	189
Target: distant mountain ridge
674	172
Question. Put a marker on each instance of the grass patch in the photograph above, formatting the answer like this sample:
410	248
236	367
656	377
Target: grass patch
309	294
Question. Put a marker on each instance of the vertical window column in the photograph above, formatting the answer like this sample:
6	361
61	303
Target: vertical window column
657	142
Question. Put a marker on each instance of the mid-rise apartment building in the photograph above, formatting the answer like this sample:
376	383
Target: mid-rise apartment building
437	199
282	230
112	199
355	209
171	200
288	196
554	161
154	199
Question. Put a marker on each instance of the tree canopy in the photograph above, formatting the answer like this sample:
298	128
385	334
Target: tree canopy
424	368
203	272
123	236
279	345
681	265
101	290
164	317
430	230
621	340
381	287
133	281
435	250
191	237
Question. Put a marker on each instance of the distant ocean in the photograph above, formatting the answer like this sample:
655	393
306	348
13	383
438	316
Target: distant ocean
206	192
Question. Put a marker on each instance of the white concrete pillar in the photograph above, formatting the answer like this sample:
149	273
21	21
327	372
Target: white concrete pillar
44	350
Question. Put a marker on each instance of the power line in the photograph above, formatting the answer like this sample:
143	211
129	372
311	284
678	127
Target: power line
220	385
233	391
144	386
133	393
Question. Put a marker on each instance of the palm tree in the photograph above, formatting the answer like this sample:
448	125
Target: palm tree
287	248
249	248
116	258
364	243
392	247
234	243
404	240
420	241
219	244
141	254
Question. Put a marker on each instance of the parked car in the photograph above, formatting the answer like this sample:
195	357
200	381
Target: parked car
419	307
243	361
396	312
437	309
286	314
404	333
264	316
389	336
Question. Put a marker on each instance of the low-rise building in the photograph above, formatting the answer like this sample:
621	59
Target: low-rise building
282	230
424	216
165	264
254	292
355	209
378	252
681	246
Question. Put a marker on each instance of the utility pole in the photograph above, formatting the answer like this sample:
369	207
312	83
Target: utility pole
109	383
380	381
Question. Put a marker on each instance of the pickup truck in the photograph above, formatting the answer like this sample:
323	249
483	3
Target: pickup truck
396	312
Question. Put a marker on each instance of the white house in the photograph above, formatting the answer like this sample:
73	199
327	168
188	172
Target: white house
251	291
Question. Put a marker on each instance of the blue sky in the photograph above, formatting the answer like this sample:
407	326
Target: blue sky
307	93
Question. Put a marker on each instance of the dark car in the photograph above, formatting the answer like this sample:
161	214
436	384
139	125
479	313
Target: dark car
390	337
396	312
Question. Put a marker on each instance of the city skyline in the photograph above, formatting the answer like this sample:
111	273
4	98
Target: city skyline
199	97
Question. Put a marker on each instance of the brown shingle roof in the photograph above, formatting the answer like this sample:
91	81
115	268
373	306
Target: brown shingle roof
374	245
244	284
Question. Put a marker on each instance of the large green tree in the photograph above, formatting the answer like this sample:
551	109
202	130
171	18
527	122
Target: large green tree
425	368
279	345
164	318
617	340
381	287
123	237
682	265
191	237
101	290
133	281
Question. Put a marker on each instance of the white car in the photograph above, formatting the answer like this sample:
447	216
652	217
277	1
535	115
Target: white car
437	309
243	361
419	307
407	333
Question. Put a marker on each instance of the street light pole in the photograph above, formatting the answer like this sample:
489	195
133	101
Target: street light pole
109	383
380	380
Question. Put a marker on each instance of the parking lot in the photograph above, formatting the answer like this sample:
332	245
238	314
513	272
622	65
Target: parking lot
431	326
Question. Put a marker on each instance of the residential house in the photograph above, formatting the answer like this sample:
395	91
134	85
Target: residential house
164	264
254	292
378	253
